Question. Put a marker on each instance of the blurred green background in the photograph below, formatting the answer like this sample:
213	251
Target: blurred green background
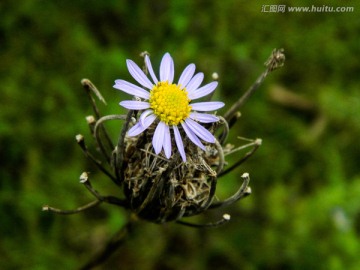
304	212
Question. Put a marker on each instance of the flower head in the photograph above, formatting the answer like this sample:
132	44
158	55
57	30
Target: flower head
170	105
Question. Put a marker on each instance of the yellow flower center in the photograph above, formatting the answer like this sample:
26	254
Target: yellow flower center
170	103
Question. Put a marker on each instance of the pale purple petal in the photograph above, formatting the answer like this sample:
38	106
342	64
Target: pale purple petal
195	82
167	142
167	69
131	89
179	143
149	120
135	105
204	117
150	69
200	131
186	75
158	138
138	74
207	106
192	136
203	91
144	115
136	129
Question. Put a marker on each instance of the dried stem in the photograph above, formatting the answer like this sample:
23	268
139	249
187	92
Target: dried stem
243	159
107	199
84	179
221	157
120	148
223	136
225	219
81	141
99	126
243	192
276	60
252	143
90	87
70	212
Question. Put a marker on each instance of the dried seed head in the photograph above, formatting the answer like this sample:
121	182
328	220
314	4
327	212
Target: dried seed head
160	189
84	177
79	138
215	76
90	119
276	59
226	217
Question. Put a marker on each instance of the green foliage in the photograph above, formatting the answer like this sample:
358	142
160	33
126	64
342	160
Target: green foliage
304	212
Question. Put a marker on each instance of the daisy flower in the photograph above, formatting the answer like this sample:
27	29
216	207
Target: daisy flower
170	104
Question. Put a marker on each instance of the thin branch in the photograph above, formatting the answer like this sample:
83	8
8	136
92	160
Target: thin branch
99	126
243	159
118	164
223	136
242	192
275	61
84	179
74	211
221	157
81	142
252	143
90	87
225	219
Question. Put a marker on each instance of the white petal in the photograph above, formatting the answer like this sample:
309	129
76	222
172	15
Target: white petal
200	131
131	89
167	142
167	69
192	136
186	75
136	129
144	115
195	82
206	106
135	105
158	138
179	143
204	117
138	74
203	91
150	69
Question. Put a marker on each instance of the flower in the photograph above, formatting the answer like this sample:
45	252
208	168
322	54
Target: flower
170	104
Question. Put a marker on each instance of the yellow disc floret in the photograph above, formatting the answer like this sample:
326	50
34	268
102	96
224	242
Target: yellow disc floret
170	103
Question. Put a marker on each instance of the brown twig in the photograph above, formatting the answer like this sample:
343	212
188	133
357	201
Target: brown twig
275	61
